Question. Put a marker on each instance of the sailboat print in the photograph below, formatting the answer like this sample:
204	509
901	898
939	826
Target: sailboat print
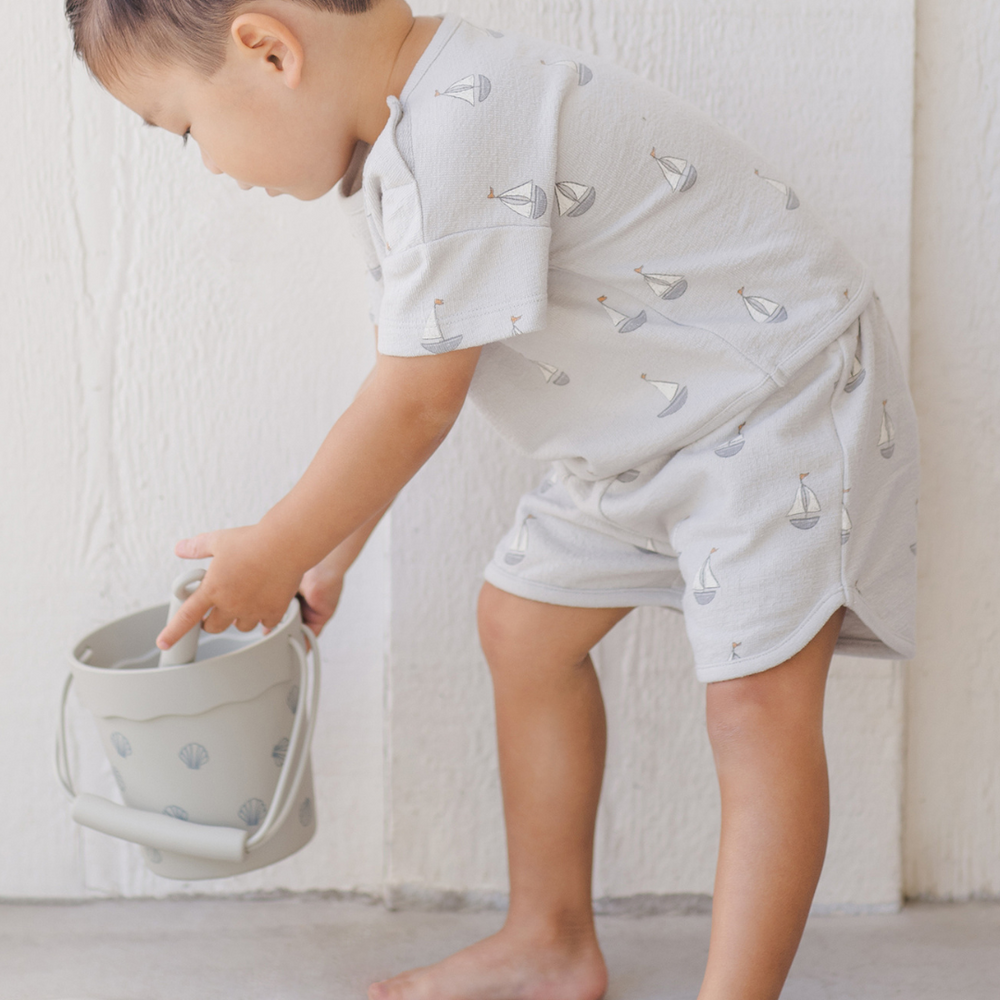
628	476
517	551
623	323
705	584
791	201
673	392
763	310
649	547
804	511
527	199
886	438
376	272
733	445
473	89
734	655
433	340
665	286
550	373
845	522
857	372
678	173
548	482
574	199
583	73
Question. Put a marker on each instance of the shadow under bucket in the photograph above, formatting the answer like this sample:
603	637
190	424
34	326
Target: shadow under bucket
211	757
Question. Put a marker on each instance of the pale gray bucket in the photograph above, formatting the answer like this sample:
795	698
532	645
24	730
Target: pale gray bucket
211	757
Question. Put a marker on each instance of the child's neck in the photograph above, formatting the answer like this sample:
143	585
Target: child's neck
412	48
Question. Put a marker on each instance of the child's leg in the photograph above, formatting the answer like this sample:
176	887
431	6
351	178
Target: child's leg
766	732
551	736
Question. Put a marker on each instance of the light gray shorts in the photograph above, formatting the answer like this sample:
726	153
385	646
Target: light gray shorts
757	531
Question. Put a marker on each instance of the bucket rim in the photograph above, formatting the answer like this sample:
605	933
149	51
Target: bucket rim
291	617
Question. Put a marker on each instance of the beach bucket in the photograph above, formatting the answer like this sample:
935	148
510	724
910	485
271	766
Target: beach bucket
211	757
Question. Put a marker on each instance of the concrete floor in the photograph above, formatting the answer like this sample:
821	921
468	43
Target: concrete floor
312	948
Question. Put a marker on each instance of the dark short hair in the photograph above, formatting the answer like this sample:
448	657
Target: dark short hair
112	34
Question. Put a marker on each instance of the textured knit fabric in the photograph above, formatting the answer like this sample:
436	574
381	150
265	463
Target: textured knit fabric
664	321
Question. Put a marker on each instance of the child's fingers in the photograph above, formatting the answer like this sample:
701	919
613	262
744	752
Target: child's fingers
199	547
190	614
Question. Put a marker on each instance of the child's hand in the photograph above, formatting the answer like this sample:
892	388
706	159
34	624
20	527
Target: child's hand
250	580
319	594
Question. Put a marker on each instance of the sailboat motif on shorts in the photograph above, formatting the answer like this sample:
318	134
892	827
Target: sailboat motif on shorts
763	310
734	655
678	173
473	89
574	199
705	584
733	445
433	340
857	372
583	73
527	199
791	202
845	523
886	438
664	286
623	323
804	512
674	393
517	551
550	373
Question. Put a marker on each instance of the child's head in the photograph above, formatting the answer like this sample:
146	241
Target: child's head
275	92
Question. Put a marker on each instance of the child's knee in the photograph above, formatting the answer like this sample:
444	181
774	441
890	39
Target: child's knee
763	707
504	634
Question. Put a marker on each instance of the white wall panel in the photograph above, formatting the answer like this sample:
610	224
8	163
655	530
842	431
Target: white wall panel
175	350
823	90
153	313
952	845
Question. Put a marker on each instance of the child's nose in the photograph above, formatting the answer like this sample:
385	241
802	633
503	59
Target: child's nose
209	162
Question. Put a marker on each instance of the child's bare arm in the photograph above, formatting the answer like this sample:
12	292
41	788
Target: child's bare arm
321	586
396	422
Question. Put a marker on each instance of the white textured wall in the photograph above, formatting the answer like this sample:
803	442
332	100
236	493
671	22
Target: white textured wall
150	308
952	845
174	351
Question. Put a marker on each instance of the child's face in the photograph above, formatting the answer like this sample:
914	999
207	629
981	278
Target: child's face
258	131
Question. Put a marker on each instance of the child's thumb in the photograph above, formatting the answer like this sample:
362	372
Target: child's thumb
199	547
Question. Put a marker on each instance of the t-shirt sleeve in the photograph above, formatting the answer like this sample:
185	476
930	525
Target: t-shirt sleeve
464	290
464	261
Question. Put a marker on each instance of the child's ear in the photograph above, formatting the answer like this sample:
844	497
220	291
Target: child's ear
268	40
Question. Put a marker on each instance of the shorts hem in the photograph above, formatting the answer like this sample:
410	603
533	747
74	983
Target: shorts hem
547	593
889	645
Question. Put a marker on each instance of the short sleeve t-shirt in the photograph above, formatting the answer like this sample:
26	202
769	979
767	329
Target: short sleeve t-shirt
635	273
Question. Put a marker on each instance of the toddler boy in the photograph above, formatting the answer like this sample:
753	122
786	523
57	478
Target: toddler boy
629	292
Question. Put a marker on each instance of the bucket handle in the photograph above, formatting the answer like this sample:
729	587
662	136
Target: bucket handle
298	749
194	839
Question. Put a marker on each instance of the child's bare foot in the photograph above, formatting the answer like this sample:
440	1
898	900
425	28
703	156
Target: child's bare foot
506	967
